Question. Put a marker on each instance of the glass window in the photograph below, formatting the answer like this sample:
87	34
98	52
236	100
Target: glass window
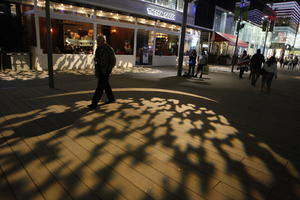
218	20
78	37
230	24
29	33
144	48
120	39
174	4
168	3
180	4
68	36
191	43
166	45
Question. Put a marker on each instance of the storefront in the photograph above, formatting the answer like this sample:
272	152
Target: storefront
143	33
224	44
223	48
282	40
254	36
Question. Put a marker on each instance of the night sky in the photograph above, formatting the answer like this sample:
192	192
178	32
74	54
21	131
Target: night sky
206	9
230	4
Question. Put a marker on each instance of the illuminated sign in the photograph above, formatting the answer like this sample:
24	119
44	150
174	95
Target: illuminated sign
162	14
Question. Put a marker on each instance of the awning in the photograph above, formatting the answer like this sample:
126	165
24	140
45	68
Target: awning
222	37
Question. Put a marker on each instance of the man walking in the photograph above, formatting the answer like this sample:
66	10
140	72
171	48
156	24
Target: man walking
105	60
255	66
295	62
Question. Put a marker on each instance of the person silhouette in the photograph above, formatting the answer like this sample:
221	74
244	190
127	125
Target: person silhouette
105	60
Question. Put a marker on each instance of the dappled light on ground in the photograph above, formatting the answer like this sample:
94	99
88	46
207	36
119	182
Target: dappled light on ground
10	75
137	148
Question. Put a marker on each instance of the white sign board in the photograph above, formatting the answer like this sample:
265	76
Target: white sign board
161	13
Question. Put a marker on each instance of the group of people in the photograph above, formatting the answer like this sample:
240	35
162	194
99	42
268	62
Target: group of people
291	61
105	60
201	61
258	67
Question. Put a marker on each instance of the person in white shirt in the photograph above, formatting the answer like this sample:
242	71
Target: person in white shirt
202	61
269	71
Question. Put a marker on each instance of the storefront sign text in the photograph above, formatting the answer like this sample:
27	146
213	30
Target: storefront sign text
161	13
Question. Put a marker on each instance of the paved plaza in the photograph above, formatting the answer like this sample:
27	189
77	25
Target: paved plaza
165	137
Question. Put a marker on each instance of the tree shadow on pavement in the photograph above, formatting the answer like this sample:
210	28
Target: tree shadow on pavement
151	145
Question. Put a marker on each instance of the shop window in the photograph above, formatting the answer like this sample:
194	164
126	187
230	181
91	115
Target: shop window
120	39
78	37
68	36
29	34
191	43
166	45
144	47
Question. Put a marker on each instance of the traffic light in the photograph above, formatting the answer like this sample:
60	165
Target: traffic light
242	26
272	24
265	25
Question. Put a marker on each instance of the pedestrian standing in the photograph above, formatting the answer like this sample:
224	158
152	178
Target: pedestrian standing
255	66
295	62
286	62
270	70
105	60
281	60
290	62
243	63
192	63
202	61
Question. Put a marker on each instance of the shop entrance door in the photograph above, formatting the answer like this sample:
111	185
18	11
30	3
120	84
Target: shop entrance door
144	47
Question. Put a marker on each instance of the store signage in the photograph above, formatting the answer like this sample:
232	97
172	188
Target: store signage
162	14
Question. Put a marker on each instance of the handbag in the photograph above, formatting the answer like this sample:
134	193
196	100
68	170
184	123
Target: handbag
191	62
205	69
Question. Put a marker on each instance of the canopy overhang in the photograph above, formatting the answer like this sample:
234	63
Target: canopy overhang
231	39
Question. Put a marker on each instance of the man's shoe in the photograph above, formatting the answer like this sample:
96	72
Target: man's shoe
92	106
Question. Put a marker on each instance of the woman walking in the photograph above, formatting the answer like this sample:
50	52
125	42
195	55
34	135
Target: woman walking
269	71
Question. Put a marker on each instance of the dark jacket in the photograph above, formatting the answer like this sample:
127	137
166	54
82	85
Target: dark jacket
192	59
105	60
256	61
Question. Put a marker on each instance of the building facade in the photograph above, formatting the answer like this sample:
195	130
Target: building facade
142	32
284	39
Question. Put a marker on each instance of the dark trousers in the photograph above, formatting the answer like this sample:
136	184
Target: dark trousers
255	73
103	85
191	70
267	78
200	69
242	69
